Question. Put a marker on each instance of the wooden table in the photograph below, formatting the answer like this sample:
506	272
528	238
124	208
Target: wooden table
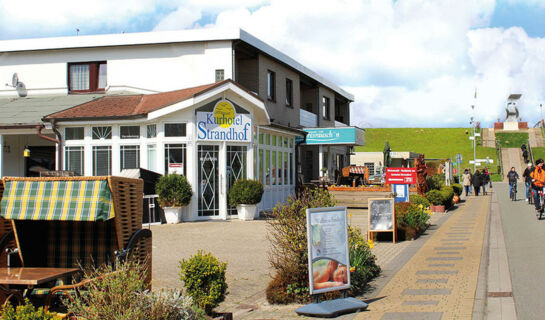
32	276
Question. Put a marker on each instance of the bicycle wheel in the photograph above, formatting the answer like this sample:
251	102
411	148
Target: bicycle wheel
541	206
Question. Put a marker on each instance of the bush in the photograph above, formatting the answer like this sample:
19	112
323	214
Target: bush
362	262
25	312
204	279
174	190
435	197
434	182
245	192
447	193
122	295
457	189
419	200
411	216
287	232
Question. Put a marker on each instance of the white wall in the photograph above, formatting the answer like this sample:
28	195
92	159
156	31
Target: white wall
161	67
13	161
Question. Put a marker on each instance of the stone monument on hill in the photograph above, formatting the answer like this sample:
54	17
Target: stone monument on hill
512	122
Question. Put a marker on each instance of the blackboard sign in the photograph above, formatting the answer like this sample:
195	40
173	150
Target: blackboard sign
381	216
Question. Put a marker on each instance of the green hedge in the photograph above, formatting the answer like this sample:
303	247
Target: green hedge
435	197
173	190
419	200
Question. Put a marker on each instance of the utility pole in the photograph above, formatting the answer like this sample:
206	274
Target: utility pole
473	137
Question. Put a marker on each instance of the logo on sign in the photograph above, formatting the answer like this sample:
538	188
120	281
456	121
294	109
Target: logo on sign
224	124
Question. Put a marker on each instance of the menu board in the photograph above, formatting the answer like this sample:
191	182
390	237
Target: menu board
381	215
328	259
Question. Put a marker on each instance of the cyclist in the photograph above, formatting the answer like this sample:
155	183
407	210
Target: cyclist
538	181
512	176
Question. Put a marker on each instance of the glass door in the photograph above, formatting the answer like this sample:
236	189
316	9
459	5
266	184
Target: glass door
235	170
208	180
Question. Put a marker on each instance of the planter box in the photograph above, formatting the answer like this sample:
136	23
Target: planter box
437	208
246	211
173	214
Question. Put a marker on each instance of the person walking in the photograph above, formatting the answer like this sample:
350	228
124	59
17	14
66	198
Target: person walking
512	177
525	155
477	181
486	180
528	179
466	181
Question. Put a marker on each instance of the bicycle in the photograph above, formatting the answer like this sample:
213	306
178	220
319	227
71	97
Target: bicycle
539	213
531	198
513	193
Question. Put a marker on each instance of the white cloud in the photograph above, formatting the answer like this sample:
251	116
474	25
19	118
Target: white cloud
408	62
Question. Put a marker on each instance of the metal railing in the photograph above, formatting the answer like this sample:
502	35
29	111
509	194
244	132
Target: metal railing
530	152
498	156
151	210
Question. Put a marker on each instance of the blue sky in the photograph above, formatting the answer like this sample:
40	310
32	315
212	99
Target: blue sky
408	62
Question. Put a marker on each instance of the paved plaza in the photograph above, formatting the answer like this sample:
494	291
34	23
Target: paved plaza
244	245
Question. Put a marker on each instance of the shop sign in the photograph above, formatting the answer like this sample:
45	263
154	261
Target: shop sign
328	260
400	175
177	168
224	124
346	135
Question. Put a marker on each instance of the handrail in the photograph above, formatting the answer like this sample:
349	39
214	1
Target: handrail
500	162
530	152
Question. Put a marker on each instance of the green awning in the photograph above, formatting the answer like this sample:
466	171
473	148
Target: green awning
71	200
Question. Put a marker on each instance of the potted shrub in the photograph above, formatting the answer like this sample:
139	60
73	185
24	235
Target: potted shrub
174	193
436	199
245	195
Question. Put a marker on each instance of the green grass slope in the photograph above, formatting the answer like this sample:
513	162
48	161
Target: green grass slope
433	142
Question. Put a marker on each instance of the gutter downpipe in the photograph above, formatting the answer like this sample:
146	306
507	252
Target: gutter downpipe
57	141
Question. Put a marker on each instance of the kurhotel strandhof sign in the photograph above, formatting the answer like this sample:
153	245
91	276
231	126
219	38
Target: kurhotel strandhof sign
224	124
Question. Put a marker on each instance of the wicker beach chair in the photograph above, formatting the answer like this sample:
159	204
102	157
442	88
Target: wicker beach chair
71	222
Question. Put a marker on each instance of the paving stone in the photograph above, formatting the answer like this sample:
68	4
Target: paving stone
421	303
412	316
437	272
426	292
450	248
460	239
441	280
448	265
443	258
458	233
448	252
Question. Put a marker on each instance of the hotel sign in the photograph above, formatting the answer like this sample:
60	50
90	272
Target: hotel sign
224	124
342	135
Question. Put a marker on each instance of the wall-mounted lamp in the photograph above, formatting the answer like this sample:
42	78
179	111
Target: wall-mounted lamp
26	152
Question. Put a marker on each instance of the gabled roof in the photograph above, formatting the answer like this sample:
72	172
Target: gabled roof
165	37
133	106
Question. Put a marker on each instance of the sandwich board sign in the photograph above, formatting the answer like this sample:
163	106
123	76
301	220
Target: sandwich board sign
327	240
381	217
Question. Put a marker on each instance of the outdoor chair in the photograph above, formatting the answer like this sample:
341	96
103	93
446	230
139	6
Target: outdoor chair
76	222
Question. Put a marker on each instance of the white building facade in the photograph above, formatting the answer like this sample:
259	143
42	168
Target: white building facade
79	104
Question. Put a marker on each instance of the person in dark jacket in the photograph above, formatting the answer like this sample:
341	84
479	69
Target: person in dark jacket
512	177
477	181
486	180
528	179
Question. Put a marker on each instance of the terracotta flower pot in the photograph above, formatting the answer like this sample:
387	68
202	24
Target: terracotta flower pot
439	208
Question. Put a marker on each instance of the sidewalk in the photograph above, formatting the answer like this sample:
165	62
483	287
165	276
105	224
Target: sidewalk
440	280
243	244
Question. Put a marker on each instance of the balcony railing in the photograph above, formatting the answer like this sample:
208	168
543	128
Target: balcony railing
308	119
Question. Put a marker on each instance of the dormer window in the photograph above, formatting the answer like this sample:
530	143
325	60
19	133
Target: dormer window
87	77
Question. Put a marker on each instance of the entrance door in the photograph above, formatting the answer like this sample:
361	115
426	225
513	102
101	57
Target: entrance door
208	180
236	169
41	159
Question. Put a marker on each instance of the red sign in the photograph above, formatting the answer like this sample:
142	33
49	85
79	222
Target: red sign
400	175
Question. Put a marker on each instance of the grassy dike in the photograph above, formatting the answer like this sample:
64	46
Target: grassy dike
433	142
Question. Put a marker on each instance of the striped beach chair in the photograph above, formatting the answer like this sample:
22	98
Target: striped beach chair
72	222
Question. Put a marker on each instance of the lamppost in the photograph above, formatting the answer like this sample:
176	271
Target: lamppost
541	108
472	122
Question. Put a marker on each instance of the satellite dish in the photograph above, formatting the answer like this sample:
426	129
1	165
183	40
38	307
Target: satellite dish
21	89
14	80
